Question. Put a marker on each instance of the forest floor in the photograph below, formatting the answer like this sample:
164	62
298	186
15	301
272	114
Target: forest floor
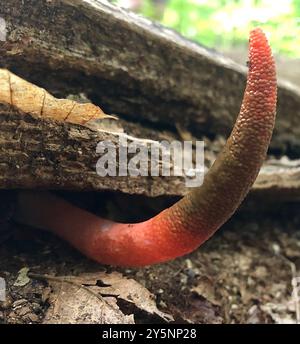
243	274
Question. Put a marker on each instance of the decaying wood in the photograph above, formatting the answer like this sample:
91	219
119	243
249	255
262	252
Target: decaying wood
128	66
133	67
36	153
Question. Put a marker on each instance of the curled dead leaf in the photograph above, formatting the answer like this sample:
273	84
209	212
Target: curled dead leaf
36	101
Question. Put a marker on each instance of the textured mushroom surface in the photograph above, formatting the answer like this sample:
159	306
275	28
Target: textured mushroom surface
183	227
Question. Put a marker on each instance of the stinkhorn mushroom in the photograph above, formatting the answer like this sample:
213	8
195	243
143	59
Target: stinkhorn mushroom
184	226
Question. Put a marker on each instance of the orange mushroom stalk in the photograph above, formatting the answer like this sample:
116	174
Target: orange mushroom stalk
183	227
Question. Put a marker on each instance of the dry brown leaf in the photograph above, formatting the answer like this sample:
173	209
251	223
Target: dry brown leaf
129	290
38	102
73	303
99	298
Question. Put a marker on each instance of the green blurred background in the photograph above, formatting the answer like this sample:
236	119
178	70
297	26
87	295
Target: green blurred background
225	24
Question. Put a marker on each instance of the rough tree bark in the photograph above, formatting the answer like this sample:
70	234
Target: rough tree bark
37	153
130	66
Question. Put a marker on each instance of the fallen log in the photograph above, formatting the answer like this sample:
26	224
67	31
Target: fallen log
45	154
133	67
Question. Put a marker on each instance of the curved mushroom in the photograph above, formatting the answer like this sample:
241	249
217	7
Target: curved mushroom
184	226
